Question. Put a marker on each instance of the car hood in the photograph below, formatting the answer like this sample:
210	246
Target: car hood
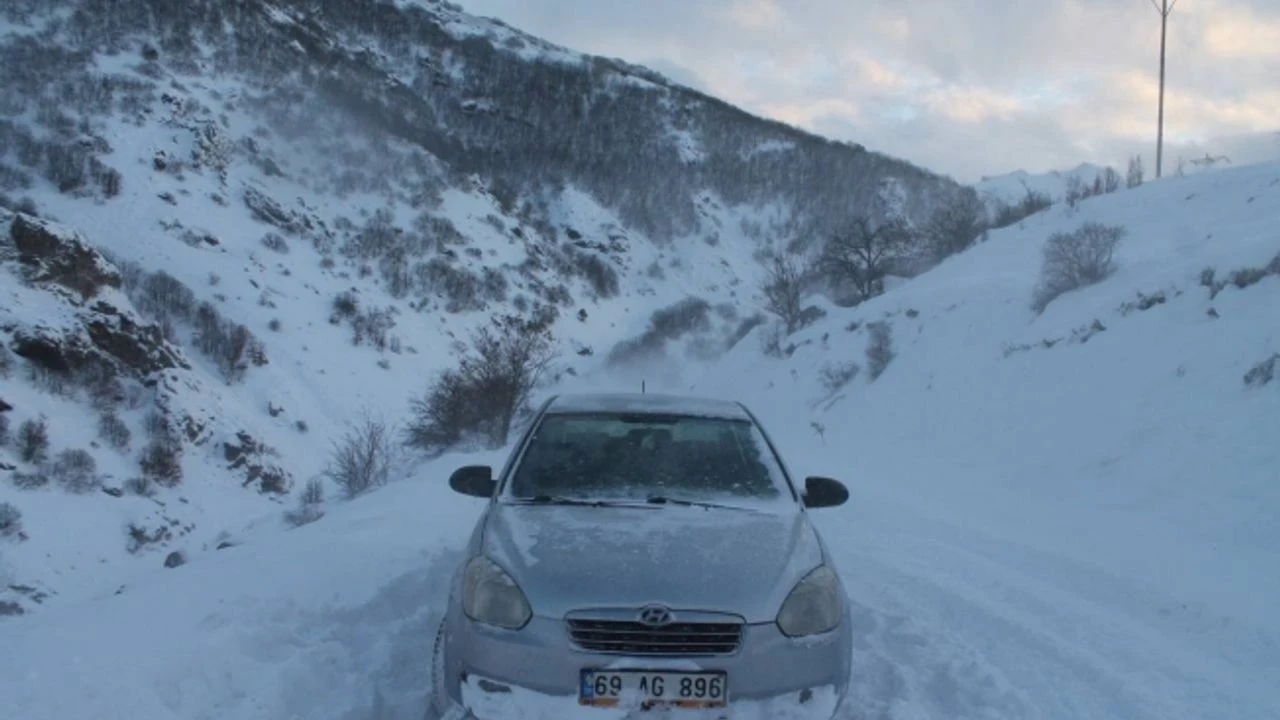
569	558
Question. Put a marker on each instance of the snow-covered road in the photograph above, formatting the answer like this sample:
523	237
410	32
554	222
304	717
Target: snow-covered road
333	622
957	625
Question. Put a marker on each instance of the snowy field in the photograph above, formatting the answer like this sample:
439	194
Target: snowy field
1039	527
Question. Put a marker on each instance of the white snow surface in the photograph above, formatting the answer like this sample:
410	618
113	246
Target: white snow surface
1013	187
1087	530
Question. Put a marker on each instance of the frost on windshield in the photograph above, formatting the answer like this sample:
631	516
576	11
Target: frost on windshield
637	457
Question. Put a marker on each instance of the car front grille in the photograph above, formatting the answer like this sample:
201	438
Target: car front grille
680	639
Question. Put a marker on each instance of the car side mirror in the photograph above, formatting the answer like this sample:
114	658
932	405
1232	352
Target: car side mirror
473	480
823	492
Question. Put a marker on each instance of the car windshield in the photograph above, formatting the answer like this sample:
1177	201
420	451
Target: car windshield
648	458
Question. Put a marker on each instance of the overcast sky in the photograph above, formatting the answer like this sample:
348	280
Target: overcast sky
963	87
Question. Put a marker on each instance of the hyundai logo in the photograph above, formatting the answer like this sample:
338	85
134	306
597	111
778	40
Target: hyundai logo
655	616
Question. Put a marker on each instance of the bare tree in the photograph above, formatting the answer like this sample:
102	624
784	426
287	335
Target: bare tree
862	254
1110	180
784	289
953	227
1075	191
1136	172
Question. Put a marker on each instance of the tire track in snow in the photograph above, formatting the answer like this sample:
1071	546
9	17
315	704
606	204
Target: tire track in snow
955	625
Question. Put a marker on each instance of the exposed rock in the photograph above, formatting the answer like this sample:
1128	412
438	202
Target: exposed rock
105	339
60	256
175	559
1262	373
270	212
249	457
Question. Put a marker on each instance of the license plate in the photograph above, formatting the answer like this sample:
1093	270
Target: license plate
653	688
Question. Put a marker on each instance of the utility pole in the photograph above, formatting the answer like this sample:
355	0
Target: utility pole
1164	8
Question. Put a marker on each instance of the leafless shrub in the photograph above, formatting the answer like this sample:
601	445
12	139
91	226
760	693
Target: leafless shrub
879	348
75	470
1075	260
461	289
690	315
103	386
55	381
1075	191
159	294
30	481
490	388
161	460
275	243
955	226
33	441
113	431
373	327
363	458
6	362
771	340
1135	176
309	507
1110	180
783	290
1030	204
4	429
141	486
139	537
345	305
835	376
231	346
10	520
599	274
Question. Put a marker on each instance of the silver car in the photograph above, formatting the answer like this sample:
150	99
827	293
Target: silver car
643	553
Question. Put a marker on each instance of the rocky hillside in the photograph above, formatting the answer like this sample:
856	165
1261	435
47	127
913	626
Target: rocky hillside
229	229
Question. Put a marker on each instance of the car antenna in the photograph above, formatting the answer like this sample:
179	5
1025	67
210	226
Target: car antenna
641	387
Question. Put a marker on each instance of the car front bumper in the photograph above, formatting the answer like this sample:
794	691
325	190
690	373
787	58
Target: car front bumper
534	673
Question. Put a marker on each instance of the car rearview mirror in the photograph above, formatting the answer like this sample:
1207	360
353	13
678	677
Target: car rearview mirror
823	492
473	480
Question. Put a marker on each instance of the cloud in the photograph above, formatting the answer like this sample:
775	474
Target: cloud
964	88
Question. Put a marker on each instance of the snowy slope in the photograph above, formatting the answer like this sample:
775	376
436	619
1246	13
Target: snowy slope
1083	530
1086	530
255	217
1013	187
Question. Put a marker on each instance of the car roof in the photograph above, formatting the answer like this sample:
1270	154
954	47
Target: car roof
647	403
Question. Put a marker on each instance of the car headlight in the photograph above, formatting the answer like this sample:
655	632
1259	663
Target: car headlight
490	596
814	605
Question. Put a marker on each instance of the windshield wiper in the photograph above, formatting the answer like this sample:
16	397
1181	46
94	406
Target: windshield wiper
664	500
582	502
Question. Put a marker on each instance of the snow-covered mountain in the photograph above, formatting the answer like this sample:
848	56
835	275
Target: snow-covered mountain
1065	514
295	209
1011	188
231	229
